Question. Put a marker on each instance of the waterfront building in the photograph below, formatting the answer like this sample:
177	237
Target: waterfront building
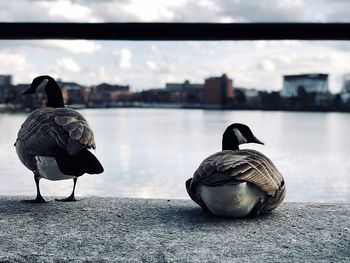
185	92
345	92
5	81
185	86
295	85
5	84
106	93
72	92
218	90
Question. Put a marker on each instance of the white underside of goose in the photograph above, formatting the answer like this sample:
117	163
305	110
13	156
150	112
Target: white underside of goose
47	168
231	200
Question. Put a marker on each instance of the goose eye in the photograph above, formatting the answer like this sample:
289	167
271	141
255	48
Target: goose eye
241	139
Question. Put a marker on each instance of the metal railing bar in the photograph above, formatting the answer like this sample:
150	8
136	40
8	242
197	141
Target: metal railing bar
176	31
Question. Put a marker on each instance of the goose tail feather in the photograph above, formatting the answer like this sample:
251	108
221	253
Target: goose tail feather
83	162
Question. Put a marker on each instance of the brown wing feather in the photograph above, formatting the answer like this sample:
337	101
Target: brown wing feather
76	125
263	172
241	165
46	130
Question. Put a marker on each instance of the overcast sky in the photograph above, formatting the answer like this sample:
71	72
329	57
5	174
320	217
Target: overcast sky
143	65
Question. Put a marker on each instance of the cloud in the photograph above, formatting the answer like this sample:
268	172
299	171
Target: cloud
266	65
112	11
152	10
67	64
151	65
101	74
22	11
70	46
12	62
65	11
250	63
68	11
73	46
166	60
264	11
329	10
124	58
12	59
175	11
199	11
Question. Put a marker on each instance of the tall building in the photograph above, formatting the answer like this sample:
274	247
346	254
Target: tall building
346	83
5	80
218	90
345	92
309	83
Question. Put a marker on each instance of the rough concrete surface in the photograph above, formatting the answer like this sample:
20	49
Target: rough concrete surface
146	230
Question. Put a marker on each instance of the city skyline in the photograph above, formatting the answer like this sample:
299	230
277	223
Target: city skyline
149	64
300	92
7	80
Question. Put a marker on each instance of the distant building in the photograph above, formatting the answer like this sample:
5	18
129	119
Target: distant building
345	92
294	85
5	81
252	96
185	92
156	95
107	93
183	86
346	83
218	90
5	91
72	92
246	96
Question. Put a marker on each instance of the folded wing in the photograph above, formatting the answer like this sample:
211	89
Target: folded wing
232	167
51	132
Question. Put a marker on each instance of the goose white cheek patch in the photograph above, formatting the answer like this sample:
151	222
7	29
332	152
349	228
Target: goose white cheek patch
239	135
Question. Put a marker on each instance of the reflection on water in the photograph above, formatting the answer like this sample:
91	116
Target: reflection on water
151	152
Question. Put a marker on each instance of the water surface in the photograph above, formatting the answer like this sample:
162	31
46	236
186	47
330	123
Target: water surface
150	153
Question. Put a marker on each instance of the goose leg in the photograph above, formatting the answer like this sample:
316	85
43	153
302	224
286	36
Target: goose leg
39	198
70	198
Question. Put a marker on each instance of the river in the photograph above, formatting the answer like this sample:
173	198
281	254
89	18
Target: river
149	153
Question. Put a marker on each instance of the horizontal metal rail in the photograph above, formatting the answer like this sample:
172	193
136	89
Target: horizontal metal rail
176	31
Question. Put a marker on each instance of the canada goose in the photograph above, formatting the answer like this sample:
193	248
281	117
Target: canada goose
237	183
53	141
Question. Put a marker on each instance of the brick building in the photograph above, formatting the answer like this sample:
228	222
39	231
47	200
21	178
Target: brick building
218	90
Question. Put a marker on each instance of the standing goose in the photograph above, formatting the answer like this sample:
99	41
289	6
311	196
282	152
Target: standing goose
53	141
234	182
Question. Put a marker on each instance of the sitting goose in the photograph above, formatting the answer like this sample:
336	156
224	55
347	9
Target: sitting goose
237	183
53	141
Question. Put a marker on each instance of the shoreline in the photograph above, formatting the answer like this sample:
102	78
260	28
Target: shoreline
5	109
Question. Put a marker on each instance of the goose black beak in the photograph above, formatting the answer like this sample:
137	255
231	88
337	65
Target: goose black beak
29	90
256	140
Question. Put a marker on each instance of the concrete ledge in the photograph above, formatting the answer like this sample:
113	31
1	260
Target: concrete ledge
145	230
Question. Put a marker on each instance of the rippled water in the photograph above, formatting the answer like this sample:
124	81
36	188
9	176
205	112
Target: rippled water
151	152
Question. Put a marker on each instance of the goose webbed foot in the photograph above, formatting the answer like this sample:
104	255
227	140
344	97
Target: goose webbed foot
70	198
38	200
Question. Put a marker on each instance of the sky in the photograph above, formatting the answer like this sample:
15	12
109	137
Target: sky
150	64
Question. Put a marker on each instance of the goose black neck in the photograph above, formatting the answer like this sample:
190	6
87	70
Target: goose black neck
54	95
229	142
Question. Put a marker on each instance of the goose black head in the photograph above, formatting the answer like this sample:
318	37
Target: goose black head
52	90
236	134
